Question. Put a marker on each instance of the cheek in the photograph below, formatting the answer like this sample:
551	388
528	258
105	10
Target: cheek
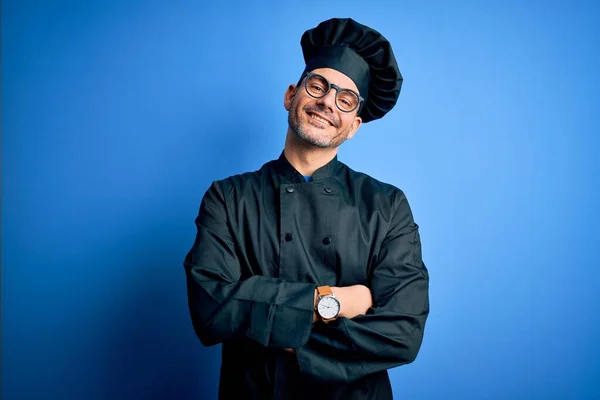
345	125
296	105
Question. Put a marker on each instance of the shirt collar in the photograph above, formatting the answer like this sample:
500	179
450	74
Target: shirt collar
290	173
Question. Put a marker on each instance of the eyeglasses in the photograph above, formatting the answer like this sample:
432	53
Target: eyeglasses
347	100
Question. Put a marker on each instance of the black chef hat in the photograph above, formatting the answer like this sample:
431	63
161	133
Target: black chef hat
361	53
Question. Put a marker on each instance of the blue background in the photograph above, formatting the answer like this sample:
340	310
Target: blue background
116	117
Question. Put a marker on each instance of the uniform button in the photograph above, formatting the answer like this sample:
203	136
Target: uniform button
289	189
288	237
328	190
326	240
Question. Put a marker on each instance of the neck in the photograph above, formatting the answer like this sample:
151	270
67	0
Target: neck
304	157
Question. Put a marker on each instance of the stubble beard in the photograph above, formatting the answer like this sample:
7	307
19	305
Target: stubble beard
300	130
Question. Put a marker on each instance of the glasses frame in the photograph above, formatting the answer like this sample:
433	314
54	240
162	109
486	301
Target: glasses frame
330	85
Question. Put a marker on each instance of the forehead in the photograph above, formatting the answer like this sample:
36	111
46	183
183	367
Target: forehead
336	77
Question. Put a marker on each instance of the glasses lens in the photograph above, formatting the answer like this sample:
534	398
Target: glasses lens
347	100
316	86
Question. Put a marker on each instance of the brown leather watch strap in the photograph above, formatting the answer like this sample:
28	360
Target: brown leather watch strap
324	291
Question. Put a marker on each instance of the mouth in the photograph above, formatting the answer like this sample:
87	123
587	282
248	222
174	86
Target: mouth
319	118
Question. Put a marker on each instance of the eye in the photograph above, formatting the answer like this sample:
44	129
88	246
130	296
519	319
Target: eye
317	88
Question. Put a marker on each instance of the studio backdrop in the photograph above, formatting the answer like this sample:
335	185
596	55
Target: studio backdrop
117	116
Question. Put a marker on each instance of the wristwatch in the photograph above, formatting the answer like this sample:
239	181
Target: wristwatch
328	307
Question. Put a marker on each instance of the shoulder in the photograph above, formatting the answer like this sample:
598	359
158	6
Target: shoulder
386	199
377	196
242	181
369	186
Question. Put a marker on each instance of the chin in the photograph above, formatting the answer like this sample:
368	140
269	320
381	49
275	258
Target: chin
315	140
316	136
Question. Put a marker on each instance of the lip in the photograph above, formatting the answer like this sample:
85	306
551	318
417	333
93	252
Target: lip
320	116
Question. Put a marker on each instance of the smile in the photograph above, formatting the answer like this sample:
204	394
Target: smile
320	119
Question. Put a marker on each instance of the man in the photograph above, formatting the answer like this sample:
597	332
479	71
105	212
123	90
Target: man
308	272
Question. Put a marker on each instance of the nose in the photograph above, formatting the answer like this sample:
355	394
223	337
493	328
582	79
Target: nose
328	100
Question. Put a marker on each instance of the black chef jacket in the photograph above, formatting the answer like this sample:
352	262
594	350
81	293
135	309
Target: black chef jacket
265	240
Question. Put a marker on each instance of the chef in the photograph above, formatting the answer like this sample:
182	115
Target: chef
309	273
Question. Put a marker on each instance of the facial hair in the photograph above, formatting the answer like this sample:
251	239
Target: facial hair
301	131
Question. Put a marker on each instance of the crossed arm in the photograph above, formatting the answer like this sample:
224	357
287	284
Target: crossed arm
378	327
354	300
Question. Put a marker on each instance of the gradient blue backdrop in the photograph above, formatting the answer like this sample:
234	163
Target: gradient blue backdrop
116	117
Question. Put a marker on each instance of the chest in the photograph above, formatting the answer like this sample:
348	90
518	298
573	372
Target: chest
320	232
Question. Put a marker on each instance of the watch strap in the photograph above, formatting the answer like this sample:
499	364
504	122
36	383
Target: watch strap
324	291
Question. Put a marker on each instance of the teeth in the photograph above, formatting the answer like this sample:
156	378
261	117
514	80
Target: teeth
313	116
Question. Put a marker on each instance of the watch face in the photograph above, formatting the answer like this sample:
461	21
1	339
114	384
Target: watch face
328	307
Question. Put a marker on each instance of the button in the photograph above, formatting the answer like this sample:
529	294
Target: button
289	189
328	190
326	240
288	237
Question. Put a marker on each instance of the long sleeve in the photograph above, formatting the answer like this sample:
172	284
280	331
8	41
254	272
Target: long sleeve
225	307
391	332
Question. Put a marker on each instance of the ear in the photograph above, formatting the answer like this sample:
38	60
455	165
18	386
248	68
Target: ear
354	127
289	96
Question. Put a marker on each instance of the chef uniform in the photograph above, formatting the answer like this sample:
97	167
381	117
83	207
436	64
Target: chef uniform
267	239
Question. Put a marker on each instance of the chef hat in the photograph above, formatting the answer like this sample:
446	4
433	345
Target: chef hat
361	53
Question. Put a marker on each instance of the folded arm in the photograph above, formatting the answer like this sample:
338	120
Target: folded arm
270	311
391	331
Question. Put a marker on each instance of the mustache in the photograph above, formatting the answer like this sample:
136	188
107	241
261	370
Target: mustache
321	110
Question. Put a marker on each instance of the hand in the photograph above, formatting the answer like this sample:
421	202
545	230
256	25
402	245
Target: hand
354	300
